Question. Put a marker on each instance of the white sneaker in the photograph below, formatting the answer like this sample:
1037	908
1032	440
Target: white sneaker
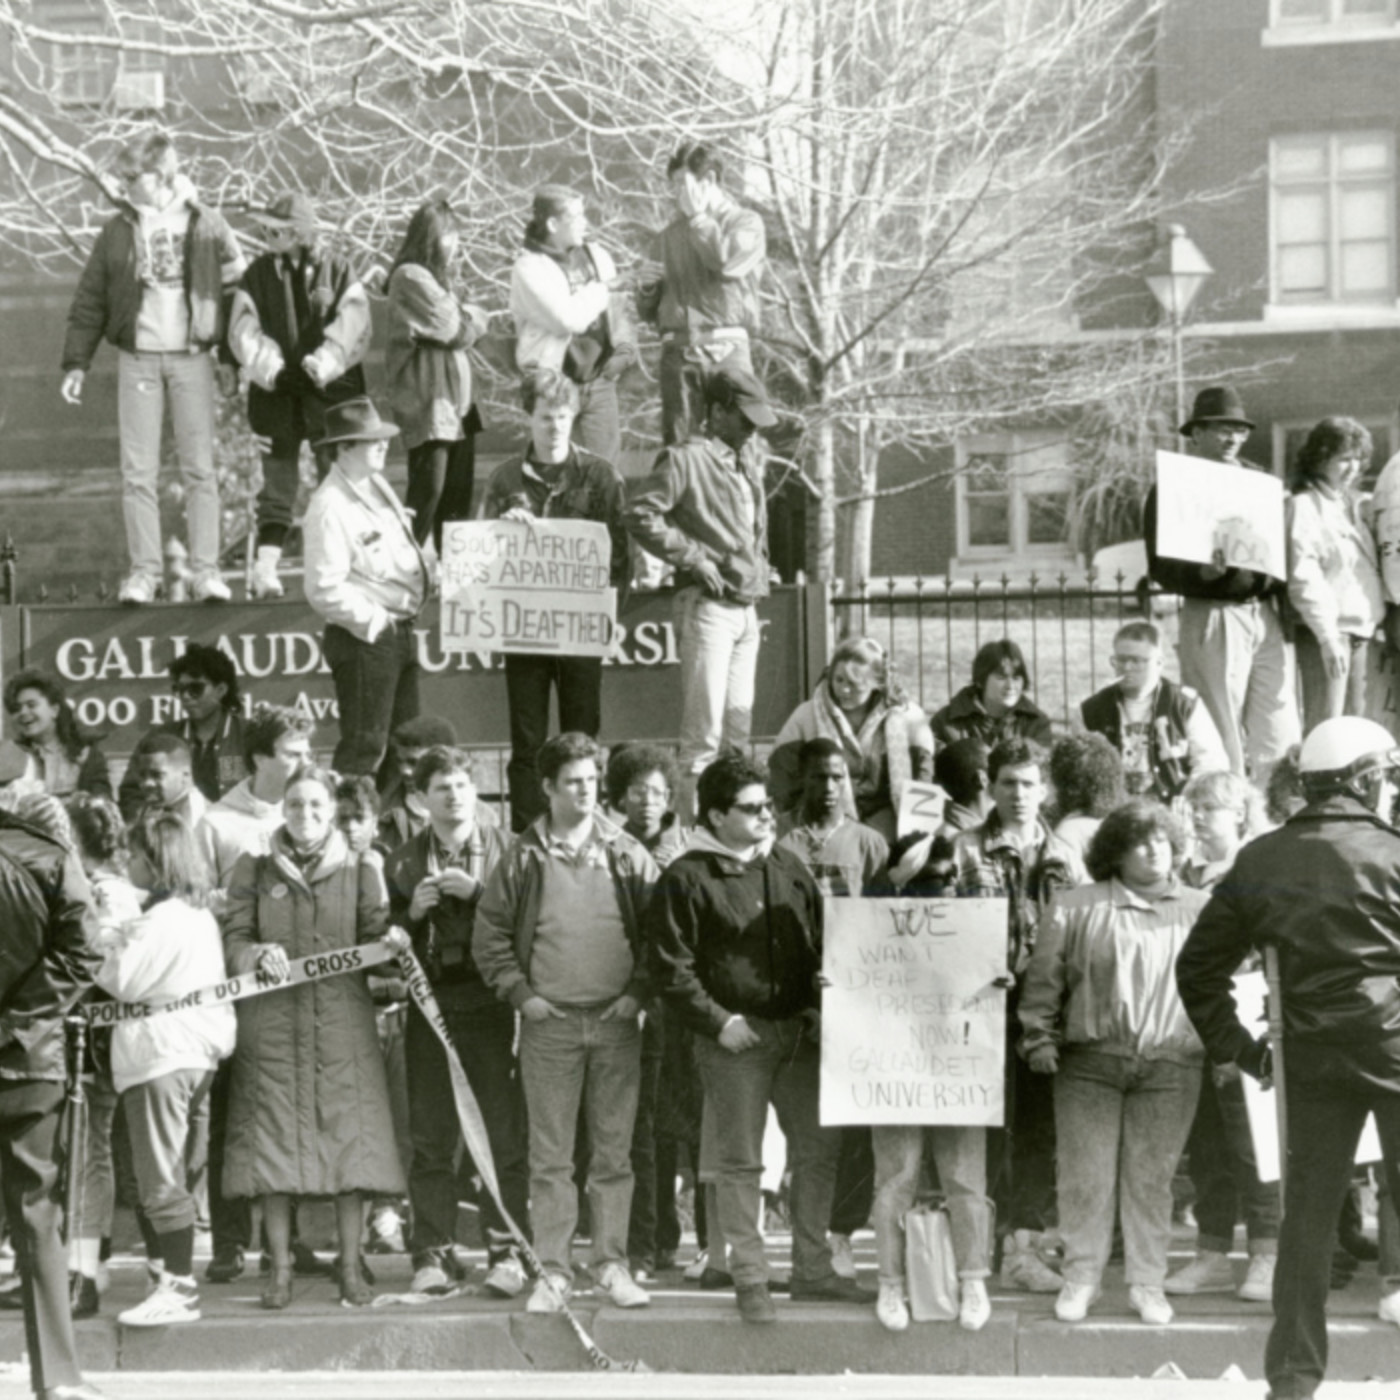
622	1289
210	588
843	1259
431	1279
505	1278
550	1294
1075	1300
891	1309
1258	1285
136	589
265	582
976	1308
1150	1304
175	1300
1389	1310
1208	1272
697	1266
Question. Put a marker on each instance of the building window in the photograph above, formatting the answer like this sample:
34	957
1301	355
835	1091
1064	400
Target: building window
1357	12
1332	217
1013	496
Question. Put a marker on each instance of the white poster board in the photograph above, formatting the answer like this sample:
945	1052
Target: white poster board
534	590
913	1031
1213	512
921	808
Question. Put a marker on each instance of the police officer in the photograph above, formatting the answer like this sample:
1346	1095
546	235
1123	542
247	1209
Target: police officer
1325	890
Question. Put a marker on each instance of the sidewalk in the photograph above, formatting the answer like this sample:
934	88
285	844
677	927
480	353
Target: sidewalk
686	1330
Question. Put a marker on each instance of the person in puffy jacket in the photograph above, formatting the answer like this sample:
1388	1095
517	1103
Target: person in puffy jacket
163	1065
996	705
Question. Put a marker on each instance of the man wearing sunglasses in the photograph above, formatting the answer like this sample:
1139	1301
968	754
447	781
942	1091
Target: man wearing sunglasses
736	928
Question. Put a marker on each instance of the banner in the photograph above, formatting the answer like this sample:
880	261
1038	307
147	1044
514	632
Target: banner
913	1029
533	590
1213	512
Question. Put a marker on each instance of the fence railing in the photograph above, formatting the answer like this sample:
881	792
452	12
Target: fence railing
931	628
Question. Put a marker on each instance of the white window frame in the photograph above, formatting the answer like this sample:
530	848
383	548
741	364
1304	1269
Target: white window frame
1331	297
1337	27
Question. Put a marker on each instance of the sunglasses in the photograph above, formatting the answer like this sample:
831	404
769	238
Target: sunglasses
754	809
190	690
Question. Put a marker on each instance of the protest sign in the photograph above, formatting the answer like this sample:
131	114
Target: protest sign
913	1031
1213	512
538	589
921	808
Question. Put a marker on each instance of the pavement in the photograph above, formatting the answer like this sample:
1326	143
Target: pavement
685	1330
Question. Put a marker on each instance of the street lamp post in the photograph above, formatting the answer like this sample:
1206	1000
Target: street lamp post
1175	273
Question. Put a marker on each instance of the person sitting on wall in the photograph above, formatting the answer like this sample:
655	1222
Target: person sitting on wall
63	757
996	706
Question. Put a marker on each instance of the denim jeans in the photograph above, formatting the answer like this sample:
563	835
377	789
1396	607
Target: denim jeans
163	1118
960	1155
281	469
782	1069
578	681
597	428
564	1061
376	690
145	383
1326	696
440	480
1324	1126
1121	1122
649	1187
718	646
99	1175
1220	1159
681	378
484	1038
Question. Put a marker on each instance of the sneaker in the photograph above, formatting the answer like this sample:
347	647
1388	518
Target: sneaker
210	588
1023	1268
891	1311
843	1259
505	1278
265	582
711	1279
136	589
1150	1304
431	1280
755	1303
175	1300
833	1289
1389	1310
665	1261
1258	1285
1075	1300
1208	1272
622	1289
82	1296
550	1294
696	1267
975	1310
385	1232
226	1265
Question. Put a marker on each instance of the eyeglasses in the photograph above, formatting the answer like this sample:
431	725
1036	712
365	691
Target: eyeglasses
643	791
190	690
1132	663
754	809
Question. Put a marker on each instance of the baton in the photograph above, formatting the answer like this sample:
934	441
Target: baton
1275	984
75	1029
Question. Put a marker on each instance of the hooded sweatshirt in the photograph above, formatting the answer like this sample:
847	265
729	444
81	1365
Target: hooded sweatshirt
237	824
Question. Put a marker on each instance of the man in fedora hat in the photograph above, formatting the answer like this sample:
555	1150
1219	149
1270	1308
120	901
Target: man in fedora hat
704	511
300	327
367	577
1231	642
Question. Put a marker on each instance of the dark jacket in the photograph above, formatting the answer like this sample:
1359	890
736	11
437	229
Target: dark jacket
509	910
1325	889
94	776
217	767
964	718
48	949
1185	578
1167	752
443	939
729	938
108	300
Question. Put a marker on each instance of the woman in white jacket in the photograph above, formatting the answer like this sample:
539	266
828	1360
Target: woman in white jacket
1334	577
164	1064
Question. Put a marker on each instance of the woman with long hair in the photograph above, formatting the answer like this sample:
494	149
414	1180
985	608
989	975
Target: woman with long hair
430	374
66	758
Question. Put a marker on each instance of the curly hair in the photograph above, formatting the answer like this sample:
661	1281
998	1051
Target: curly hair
51	688
722	782
202	663
1086	772
1283	794
566	748
633	761
99	833
1127	826
1332	437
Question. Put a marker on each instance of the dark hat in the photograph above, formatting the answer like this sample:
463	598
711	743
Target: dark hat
1217	404
737	388
355	420
290	210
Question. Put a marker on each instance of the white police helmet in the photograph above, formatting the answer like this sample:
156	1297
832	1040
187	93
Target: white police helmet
1340	751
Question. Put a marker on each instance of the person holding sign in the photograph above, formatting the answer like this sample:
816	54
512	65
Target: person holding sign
1334	576
554	479
1100	1012
1232	645
1322	889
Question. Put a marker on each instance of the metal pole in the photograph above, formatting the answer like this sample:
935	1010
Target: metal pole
1180	371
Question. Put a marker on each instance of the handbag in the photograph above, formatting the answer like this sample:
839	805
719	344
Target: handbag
931	1270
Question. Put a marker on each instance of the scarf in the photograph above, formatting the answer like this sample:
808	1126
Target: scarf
883	737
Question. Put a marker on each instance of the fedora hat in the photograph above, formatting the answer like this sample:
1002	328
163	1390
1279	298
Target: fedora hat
290	210
737	388
1217	404
355	420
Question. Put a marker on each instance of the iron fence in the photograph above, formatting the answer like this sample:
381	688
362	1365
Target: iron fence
932	628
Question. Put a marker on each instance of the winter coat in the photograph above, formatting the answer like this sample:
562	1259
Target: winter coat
1334	576
963	717
430	376
170	950
309	1102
